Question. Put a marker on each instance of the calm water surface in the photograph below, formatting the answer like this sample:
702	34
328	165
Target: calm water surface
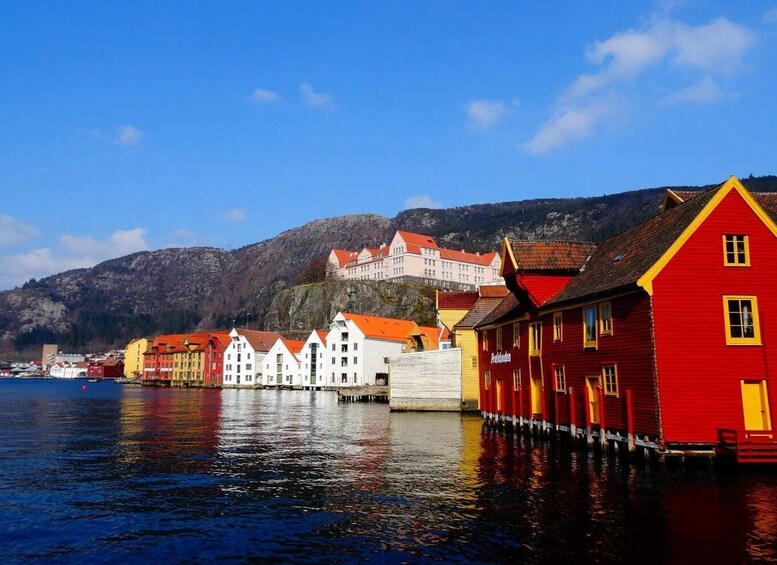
127	474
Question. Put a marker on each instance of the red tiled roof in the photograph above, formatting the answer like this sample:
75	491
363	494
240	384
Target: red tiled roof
260	341
322	334
466	257
433	333
344	256
417	239
456	300
767	200
293	345
382	328
493	291
550	255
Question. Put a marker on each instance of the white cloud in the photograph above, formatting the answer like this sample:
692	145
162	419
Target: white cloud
421	201
119	243
313	99
264	95
770	17
13	231
718	46
568	126
235	215
665	53
128	135
484	114
704	91
73	253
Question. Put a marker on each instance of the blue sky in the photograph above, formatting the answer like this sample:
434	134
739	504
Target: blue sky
130	126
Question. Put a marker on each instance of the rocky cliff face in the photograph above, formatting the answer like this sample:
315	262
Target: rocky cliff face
299	310
176	290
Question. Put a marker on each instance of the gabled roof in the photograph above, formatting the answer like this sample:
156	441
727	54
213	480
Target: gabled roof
547	256
767	200
456	300
618	263
509	308
433	333
344	256
389	329
260	341
411	238
322	335
466	257
493	291
479	311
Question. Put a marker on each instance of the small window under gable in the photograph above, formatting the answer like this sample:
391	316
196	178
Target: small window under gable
499	339
736	251
517	335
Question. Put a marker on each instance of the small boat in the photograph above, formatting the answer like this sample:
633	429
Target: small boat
94	380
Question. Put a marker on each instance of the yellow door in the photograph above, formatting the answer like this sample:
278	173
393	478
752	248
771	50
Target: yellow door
499	397
592	386
536	395
755	405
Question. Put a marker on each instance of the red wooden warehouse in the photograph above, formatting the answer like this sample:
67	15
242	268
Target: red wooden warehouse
662	336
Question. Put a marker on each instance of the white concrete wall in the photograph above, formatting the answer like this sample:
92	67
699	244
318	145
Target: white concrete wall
430	380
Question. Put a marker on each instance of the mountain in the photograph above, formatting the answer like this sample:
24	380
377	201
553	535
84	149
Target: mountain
175	290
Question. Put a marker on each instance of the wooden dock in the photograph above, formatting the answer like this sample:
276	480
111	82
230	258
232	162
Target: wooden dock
363	394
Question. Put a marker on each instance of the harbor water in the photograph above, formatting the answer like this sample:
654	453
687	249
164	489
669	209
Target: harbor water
128	474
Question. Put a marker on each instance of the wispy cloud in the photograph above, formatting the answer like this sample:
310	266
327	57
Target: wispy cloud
235	215
770	17
703	92
570	125
74	252
312	99
484	114
421	201
666	51
128	135
264	95
14	232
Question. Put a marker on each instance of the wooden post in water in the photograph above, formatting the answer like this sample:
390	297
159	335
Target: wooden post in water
602	438
572	419
589	435
630	421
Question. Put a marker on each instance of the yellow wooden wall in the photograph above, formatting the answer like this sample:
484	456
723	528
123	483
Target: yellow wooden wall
133	358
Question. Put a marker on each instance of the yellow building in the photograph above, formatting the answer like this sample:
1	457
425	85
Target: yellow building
133	357
460	312
188	360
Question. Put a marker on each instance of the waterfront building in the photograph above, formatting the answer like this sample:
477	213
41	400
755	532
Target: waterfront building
659	337
66	370
282	366
313	360
49	355
460	313
158	359
415	258
244	356
109	368
358	347
133	357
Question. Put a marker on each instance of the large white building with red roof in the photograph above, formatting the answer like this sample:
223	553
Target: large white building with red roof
412	257
244	356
